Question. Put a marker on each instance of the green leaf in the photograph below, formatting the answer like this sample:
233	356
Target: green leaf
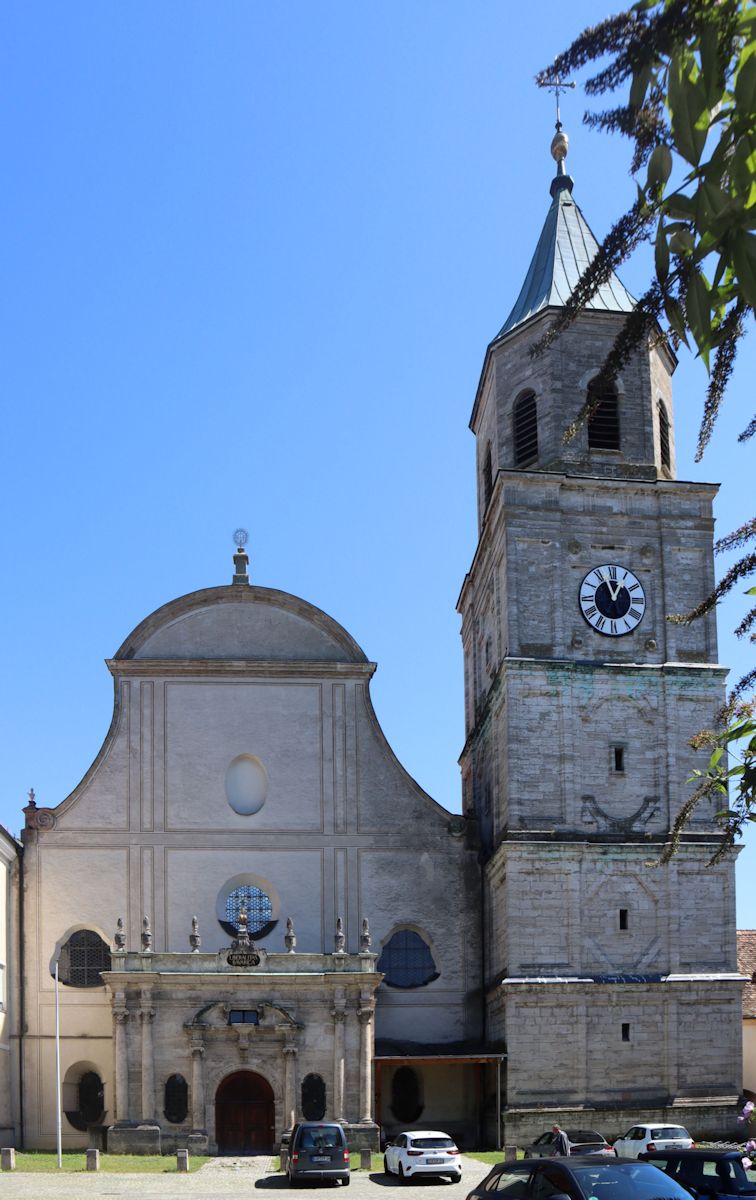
716	756
686	101
680	207
743	170
681	242
659	168
711	73
745	85
674	314
639	86
698	312
744	257
661	253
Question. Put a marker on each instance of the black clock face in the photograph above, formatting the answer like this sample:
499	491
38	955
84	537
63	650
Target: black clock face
612	600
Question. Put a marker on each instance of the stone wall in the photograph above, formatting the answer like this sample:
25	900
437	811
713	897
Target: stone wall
521	1126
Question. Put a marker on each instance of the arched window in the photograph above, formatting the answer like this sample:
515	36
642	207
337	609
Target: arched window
313	1098
406	1095
525	429
487	477
406	960
258	907
90	1106
83	958
176	1099
664	436
603	427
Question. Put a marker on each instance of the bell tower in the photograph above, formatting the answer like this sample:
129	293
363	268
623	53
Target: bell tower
601	971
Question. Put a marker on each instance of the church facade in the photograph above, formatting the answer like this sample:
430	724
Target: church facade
256	916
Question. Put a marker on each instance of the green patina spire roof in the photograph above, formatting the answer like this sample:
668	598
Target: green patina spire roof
565	248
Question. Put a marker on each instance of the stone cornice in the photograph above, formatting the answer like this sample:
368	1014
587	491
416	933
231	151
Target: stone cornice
249	668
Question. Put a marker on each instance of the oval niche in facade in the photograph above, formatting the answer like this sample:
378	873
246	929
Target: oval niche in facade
246	784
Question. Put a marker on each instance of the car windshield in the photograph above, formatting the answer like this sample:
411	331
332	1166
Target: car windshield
583	1135
669	1131
431	1143
628	1181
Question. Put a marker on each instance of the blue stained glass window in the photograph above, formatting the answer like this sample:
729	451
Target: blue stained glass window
258	907
406	960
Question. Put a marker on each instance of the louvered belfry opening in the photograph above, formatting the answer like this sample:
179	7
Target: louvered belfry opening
487	477
664	435
525	420
603	427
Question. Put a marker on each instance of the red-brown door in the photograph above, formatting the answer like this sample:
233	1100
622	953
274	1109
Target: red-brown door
244	1114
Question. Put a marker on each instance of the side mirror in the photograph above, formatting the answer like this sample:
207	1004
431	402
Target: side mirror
388	1143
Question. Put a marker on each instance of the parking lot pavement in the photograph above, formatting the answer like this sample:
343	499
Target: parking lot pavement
228	1177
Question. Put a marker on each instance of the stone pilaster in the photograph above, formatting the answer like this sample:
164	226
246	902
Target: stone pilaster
339	1020
365	1015
198	1083
290	1085
147	1016
121	1022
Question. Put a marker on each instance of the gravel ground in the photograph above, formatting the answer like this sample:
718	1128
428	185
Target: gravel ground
228	1177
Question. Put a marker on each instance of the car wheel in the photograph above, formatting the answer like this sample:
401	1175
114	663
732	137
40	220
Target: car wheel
385	1166
293	1182
346	1182
455	1178
402	1176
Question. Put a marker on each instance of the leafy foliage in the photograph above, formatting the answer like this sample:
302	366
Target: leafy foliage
689	70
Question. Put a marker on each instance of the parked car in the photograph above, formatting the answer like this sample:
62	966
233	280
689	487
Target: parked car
579	1177
423	1152
642	1138
318	1151
582	1141
707	1172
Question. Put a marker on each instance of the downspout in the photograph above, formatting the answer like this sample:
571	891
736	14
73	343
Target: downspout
21	993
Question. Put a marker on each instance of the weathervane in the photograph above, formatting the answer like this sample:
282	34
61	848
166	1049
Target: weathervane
557	86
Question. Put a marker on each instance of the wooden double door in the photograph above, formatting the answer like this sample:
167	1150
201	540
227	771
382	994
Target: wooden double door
244	1115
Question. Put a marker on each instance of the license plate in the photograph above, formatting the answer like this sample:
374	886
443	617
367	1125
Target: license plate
320	1158
433	1161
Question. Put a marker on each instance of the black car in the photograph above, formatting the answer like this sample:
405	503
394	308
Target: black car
318	1150
706	1172
579	1177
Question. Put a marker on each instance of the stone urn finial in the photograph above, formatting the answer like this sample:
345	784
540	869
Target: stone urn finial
195	941
290	937
146	936
365	939
120	937
339	939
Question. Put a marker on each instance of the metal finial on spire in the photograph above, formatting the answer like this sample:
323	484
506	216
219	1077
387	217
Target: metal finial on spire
557	86
560	143
241	558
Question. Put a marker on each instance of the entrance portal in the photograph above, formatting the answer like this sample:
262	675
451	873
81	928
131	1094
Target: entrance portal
244	1114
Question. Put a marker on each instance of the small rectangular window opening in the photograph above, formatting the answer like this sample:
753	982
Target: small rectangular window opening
619	759
243	1016
623	918
625	1031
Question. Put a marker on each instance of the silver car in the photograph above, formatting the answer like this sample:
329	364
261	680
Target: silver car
582	1141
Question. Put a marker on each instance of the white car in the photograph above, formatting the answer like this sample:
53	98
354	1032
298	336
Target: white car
641	1138
423	1152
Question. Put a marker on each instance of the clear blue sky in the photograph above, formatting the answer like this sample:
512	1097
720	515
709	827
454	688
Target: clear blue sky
253	254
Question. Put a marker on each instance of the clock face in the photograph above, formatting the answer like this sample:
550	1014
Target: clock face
612	600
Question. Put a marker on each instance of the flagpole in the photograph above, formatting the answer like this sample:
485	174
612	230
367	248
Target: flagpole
59	1123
